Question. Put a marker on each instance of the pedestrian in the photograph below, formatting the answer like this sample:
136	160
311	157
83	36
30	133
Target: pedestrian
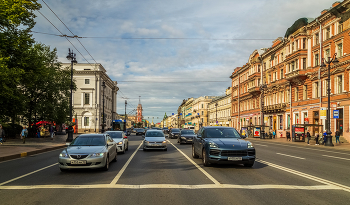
316	138
274	134
2	135
324	137
24	134
308	137
38	132
337	136
51	130
288	136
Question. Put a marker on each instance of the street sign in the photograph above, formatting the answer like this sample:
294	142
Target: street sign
336	114
323	113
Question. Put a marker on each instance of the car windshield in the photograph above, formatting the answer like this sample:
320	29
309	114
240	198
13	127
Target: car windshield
187	132
115	134
139	130
175	130
221	133
154	134
93	140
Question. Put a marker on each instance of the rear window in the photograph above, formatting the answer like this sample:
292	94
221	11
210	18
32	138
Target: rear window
187	132
154	134
115	134
90	140
175	130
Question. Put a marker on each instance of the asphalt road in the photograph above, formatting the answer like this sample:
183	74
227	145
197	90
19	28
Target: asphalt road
282	174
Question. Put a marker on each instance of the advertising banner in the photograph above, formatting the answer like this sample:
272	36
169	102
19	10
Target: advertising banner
323	113
299	130
257	132
244	131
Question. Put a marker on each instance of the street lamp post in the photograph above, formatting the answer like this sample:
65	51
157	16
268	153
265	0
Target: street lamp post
72	57
330	60
103	108
216	105
125	116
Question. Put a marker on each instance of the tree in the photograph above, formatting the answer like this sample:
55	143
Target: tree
16	21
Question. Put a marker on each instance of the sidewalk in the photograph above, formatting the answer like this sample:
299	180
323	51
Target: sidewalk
341	146
14	148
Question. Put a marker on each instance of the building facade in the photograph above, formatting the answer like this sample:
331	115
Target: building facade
219	110
88	98
296	84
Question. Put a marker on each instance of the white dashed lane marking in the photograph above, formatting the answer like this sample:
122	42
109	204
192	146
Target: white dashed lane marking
290	156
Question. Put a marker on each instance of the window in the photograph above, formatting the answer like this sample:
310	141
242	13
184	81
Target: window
340	50
281	56
316	90
317	39
293	46
297	45
202	112
280	120
87	81
305	92
296	94
327	53
304	43
293	65
328	33
296	64
288	121
86	98
258	68
288	95
269	80
340	28
86	121
316	59
339	84
258	81
281	77
304	63
202	105
296	118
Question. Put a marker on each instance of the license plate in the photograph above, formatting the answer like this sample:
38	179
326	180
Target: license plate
235	158
156	145
78	162
189	140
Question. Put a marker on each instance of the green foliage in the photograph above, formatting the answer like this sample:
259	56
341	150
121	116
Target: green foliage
11	130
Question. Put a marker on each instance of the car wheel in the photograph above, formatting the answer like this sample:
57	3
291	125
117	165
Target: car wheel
205	161
116	154
194	155
123	152
127	146
64	170
106	167
250	164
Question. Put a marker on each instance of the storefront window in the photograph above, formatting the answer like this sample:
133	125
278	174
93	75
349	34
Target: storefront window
280	119
288	121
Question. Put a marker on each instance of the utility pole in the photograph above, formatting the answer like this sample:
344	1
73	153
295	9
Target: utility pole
216	104
103	107
72	57
125	116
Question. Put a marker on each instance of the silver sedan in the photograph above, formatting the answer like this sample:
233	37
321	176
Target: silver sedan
88	151
154	139
121	139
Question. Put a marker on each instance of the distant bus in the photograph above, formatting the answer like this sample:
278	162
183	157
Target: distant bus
118	125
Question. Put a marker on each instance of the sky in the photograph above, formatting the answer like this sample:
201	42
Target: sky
168	50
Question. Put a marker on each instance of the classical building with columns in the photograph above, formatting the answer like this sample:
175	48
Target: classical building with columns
88	98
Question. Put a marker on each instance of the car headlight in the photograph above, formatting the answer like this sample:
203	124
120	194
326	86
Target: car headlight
164	141
97	154
146	141
250	145
119	143
213	145
65	155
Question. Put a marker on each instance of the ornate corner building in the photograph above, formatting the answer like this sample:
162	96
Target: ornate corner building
291	82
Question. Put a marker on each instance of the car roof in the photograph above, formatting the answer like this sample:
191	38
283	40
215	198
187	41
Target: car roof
215	127
92	135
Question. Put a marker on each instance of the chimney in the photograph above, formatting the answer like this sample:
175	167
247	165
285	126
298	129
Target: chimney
336	4
324	11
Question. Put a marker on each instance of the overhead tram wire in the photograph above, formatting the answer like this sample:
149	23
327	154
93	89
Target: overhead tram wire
70	31
65	37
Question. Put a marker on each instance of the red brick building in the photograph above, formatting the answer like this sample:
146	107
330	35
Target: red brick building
296	83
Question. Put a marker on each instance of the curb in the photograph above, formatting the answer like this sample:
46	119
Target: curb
24	154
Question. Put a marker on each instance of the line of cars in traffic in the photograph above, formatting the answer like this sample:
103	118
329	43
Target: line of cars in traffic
215	145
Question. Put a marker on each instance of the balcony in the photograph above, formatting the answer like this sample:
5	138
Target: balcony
281	107
297	76
255	90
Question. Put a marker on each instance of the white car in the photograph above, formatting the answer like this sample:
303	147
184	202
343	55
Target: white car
121	139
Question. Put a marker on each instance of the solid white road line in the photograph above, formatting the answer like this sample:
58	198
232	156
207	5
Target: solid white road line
320	150
335	157
174	186
14	179
307	176
198	167
115	180
290	156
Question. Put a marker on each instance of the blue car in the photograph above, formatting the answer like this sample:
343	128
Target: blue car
222	145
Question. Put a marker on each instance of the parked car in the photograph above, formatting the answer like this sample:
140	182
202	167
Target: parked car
154	139
121	139
88	151
185	136
174	133
128	132
165	130
222	145
139	131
